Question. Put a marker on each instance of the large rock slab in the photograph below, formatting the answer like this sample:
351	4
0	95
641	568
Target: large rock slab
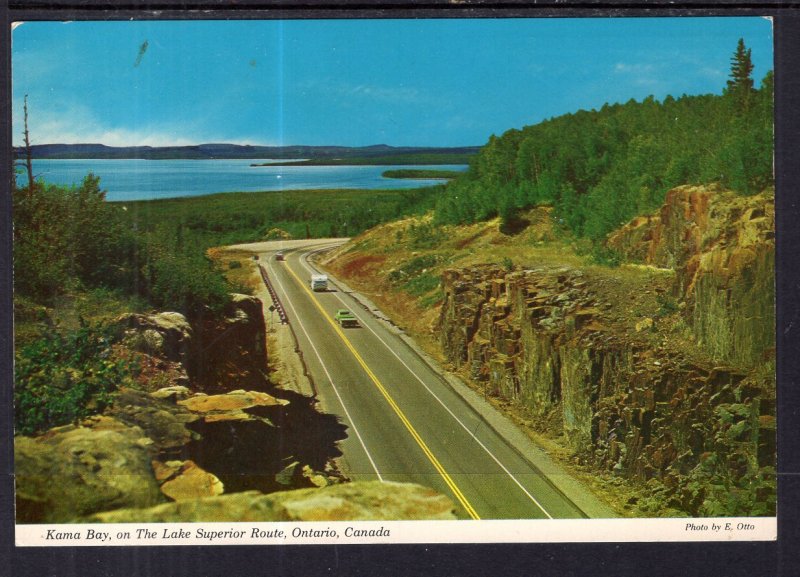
230	406
73	471
360	501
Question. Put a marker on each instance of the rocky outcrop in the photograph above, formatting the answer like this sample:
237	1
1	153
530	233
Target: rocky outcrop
76	471
601	354
231	353
166	335
360	501
167	438
722	249
214	353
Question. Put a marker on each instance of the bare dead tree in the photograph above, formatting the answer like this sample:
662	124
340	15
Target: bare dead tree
28	162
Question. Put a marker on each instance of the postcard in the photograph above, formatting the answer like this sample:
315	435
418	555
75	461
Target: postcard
394	280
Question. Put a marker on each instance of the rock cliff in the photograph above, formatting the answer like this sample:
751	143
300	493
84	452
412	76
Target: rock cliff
603	354
722	249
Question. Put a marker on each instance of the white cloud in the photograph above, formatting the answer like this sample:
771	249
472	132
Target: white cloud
79	126
642	75
391	94
625	68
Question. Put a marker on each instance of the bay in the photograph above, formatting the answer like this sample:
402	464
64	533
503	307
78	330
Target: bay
135	179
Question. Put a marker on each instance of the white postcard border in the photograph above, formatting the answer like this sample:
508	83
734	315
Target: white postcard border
400	532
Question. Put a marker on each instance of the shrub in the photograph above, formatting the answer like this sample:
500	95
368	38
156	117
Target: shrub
422	284
60	379
605	256
419	264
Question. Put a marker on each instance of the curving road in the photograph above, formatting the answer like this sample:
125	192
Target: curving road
405	423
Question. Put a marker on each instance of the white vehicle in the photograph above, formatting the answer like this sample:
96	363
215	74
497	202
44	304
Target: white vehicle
319	282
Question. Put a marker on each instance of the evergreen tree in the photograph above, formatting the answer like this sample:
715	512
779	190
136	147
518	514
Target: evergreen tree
740	85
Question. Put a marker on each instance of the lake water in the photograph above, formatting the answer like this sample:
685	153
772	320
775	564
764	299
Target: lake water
149	179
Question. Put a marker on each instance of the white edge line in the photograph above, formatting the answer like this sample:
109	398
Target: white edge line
435	396
324	368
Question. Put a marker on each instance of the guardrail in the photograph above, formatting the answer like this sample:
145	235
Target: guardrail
276	302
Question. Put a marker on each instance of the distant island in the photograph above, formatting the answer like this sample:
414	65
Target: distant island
319	155
421	173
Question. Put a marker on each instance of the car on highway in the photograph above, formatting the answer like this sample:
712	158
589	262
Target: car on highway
345	318
279	256
319	282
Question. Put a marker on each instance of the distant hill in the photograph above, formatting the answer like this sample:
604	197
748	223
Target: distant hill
212	151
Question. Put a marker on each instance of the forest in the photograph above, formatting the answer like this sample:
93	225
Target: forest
600	168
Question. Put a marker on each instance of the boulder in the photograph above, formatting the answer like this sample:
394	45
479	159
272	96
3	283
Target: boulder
189	481
163	421
167	335
230	406
74	471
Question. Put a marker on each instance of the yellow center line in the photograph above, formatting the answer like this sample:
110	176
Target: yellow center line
428	453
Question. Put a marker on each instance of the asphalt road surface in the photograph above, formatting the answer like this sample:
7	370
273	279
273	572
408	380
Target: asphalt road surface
405	423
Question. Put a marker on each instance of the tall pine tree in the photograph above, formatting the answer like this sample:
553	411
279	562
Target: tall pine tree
740	85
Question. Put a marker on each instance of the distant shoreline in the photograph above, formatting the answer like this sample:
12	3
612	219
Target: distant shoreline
326	155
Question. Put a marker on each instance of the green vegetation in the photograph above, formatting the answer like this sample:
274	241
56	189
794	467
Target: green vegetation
71	248
231	218
61	378
69	239
420	173
736	485
602	167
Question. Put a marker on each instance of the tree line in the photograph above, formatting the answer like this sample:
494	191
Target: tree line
71	239
600	168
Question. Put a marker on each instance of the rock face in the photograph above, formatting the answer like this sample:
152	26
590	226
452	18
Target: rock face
77	471
722	249
583	350
165	335
360	501
232	353
214	354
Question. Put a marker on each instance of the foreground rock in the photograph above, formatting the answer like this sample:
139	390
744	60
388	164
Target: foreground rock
360	501
168	438
76	471
230	406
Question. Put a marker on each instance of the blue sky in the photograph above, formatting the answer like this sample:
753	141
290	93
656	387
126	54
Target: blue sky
442	82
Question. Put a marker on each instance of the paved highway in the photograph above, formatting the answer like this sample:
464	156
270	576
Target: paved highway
405	423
